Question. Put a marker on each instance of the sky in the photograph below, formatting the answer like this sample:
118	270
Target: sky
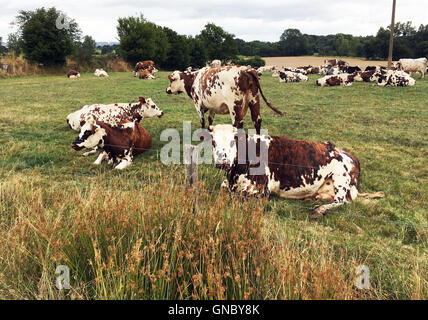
263	20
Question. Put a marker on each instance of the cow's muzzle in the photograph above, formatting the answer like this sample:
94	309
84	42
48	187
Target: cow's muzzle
168	90
75	145
161	115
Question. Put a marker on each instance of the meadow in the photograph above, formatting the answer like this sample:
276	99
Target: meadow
140	234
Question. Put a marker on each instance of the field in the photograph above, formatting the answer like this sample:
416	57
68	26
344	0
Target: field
317	61
140	234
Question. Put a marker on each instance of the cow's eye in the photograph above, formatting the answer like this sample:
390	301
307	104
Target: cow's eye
214	144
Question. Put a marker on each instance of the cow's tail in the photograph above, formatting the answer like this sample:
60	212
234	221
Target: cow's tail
253	73
374	195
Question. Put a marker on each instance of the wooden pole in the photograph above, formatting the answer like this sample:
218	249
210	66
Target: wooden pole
391	35
191	154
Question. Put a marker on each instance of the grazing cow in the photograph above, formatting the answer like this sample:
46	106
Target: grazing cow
413	65
145	74
73	74
144	65
215	63
343	79
288	76
120	144
222	90
393	78
113	114
294	169
100	73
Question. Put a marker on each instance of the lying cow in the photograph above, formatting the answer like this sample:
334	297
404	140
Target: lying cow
73	74
288	76
294	169
413	65
266	69
144	65
349	69
100	73
222	90
145	74
120	144
343	79
215	63
393	78
113	114
335	62
363	76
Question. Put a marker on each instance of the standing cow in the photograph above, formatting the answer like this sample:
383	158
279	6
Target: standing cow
222	90
413	65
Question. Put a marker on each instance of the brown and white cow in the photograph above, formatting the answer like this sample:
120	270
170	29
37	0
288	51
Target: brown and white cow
120	144
294	169
343	79
144	65
222	90
146	74
288	76
114	113
335	62
393	78
73	74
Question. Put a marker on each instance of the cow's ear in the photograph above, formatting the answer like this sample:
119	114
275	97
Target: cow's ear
142	100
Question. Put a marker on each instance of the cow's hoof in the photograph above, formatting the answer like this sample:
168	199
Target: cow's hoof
318	213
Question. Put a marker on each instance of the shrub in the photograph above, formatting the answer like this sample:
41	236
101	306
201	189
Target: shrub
255	62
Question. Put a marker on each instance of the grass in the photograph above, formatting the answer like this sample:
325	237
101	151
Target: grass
137	235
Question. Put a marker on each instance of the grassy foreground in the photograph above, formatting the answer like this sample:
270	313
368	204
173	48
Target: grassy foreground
139	234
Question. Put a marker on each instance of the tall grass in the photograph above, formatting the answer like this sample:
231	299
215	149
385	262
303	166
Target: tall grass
154	243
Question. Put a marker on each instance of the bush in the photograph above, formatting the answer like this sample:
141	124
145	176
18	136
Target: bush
255	62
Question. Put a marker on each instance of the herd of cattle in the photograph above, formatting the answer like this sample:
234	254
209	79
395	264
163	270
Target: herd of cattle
297	169
340	73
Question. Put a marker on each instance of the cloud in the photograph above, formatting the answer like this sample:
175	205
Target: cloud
249	20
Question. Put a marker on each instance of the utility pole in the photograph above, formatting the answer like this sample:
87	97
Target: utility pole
391	36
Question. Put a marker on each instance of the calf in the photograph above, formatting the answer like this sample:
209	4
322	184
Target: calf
343	79
144	65
294	169
120	144
288	76
73	74
223	90
113	114
413	65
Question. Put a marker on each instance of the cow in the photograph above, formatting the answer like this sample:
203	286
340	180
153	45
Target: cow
144	65
191	69
222	90
294	169
266	69
393	78
145	74
363	76
120	144
114	113
288	76
413	65
335	62
343	79
349	69
73	74
215	63
100	73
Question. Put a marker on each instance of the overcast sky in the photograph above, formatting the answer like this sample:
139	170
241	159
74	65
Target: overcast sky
250	19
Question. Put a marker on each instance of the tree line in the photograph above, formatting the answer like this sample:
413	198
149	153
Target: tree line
40	40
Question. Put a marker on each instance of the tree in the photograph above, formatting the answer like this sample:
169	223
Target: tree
218	43
41	40
2	48
85	51
198	53
141	40
293	43
178	57
14	43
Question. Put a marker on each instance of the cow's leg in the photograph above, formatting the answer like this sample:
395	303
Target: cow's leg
211	118
235	114
344	193
255	114
94	150
201	114
102	156
125	161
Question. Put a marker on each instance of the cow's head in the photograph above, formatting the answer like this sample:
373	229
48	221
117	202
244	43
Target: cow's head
91	135
176	84
224	144
148	109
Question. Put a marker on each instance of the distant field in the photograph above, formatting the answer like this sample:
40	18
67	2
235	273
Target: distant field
138	234
317	61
